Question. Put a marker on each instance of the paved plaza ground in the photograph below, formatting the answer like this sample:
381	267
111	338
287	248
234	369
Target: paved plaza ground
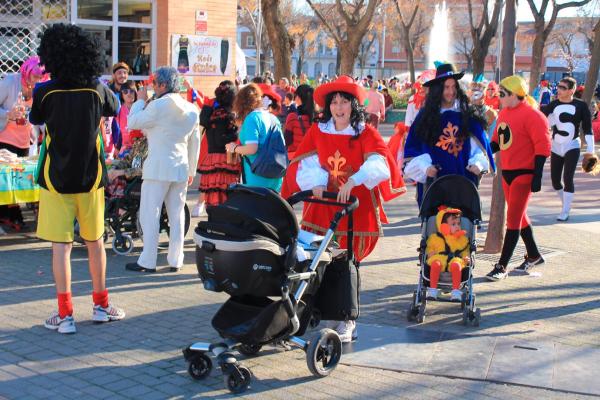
554	316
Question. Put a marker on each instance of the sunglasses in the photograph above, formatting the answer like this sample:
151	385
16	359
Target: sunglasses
127	91
562	87
504	94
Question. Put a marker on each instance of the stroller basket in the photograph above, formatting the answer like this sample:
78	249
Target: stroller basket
251	320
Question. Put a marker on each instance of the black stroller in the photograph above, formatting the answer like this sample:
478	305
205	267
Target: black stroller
458	192
122	218
250	248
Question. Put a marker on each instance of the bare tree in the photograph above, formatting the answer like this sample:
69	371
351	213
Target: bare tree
495	233
365	49
592	75
464	45
542	31
304	32
590	28
405	26
483	32
356	17
564	41
281	42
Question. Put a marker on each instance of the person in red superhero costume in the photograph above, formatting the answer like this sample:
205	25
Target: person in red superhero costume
523	138
342	154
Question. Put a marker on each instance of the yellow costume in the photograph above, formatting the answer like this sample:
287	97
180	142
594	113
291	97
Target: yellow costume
447	247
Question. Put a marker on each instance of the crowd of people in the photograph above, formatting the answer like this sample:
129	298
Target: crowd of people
112	133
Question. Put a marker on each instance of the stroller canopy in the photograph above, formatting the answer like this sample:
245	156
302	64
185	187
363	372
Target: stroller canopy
452	191
258	210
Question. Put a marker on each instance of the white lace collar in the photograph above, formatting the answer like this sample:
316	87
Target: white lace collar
329	127
455	107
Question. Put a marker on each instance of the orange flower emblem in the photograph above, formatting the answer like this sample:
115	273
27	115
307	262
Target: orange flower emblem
449	140
339	171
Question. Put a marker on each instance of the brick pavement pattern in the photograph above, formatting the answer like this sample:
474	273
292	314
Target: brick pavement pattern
140	357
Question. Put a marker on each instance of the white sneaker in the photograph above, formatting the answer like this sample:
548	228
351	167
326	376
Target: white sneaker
198	210
63	325
345	330
456	295
110	313
562	217
433	293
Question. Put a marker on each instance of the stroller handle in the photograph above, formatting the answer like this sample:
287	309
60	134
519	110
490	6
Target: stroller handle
308	197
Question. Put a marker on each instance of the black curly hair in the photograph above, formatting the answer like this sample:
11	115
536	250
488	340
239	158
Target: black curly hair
71	55
357	115
305	93
225	94
427	127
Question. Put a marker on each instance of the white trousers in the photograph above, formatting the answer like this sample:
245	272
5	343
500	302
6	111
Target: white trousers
154	193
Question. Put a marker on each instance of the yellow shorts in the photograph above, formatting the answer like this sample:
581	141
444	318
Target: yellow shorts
57	214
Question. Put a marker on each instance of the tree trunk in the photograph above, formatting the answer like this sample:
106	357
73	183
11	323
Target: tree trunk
347	58
299	64
278	37
478	60
592	75
537	56
338	62
495	232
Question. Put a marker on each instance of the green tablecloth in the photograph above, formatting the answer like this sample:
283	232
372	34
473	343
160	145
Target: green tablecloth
17	183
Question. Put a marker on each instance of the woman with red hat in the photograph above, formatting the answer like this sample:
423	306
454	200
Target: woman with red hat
271	100
342	154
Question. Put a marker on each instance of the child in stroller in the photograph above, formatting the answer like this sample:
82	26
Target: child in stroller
455	192
447	250
252	249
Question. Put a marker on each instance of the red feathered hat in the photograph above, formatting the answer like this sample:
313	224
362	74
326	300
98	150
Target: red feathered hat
342	84
269	92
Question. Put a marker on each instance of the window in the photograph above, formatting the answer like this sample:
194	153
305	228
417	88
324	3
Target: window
250	41
318	69
135	11
134	49
104	35
126	29
396	49
94	9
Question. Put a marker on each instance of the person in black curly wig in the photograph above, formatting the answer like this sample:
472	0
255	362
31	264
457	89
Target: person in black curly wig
71	55
71	172
448	135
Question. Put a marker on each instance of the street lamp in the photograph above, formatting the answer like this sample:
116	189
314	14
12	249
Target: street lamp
257	24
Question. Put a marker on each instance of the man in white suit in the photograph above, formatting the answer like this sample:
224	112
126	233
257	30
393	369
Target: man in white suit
171	125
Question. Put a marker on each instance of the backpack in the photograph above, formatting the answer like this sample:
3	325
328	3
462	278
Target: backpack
271	159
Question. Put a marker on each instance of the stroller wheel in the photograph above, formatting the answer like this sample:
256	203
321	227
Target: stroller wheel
249	349
200	366
465	316
324	352
123	246
236	383
412	309
420	317
477	317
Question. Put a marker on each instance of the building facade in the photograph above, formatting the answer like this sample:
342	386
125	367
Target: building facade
138	32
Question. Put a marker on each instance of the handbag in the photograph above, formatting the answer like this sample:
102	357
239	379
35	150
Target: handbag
338	296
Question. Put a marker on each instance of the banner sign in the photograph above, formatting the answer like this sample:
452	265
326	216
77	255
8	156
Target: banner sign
202	55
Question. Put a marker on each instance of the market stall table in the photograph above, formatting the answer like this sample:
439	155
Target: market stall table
17	182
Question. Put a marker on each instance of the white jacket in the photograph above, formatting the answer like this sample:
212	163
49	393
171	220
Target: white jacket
171	125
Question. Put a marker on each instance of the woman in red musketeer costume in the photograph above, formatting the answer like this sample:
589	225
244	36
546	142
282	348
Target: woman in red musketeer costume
343	154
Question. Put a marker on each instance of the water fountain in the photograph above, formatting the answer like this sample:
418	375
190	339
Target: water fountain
439	38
